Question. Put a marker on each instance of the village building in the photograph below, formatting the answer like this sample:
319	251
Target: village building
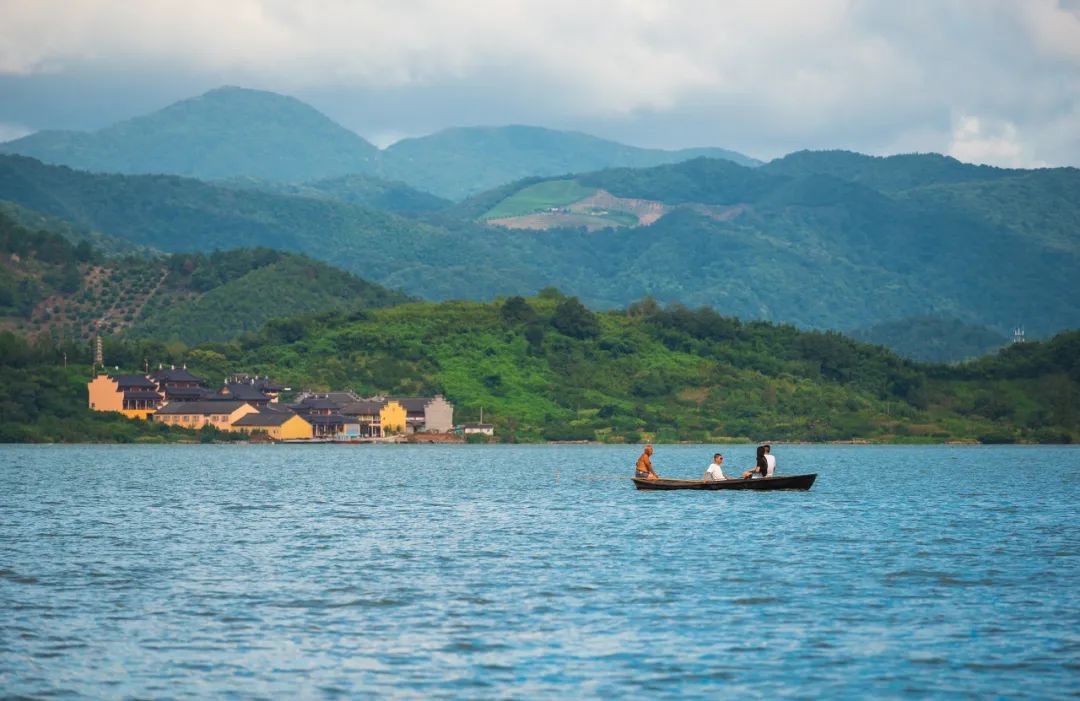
179	385
384	416
325	416
365	415
275	424
245	392
393	419
134	396
219	414
262	384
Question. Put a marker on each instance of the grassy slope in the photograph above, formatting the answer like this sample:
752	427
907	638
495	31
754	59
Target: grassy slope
539	197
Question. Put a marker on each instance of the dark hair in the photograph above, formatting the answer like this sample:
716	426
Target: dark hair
761	457
716	455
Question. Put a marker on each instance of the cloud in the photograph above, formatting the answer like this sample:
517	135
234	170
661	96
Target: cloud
975	141
10	132
768	77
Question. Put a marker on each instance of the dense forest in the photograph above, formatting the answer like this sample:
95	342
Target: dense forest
812	249
548	368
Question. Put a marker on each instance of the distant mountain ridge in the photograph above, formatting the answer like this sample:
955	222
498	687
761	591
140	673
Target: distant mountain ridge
223	133
235	132
456	163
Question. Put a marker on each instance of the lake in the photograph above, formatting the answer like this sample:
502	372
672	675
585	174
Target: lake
468	572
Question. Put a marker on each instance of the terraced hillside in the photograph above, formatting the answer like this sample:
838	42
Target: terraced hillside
71	292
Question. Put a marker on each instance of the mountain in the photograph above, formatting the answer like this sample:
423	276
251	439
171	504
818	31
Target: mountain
69	291
240	133
457	163
990	251
362	190
814	250
886	173
224	133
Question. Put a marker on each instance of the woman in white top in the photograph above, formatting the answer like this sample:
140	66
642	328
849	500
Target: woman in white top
713	473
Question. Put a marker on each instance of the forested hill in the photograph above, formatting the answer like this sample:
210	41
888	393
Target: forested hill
61	290
815	250
985	246
548	368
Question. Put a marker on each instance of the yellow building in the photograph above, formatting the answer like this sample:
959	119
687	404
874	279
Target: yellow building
219	414
392	418
278	425
134	396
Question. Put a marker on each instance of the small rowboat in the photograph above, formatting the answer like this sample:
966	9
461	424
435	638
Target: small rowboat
802	482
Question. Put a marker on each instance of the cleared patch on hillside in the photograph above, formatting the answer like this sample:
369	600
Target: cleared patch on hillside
566	204
541	197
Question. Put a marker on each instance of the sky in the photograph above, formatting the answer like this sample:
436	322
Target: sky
986	81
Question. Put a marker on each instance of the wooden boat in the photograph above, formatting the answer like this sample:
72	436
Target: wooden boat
801	482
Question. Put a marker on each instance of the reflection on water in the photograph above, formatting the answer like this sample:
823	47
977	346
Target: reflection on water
476	572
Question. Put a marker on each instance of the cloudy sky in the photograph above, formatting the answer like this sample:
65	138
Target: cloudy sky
989	81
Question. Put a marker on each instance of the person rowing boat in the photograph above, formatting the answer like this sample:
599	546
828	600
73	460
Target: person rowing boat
644	468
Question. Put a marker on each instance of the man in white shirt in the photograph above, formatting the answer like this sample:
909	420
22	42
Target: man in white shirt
713	473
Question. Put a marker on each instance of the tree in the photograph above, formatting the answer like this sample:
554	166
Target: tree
573	319
517	311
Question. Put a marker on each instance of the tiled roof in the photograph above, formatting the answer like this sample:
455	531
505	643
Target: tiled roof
327	419
310	403
412	404
364	407
131	381
185	392
264	418
176	375
244	391
342	398
204	407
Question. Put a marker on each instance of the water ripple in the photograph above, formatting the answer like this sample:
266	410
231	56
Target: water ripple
244	572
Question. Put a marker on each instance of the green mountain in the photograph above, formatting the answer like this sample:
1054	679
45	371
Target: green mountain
457	163
50	286
549	368
224	133
815	250
361	190
932	339
239	133
885	173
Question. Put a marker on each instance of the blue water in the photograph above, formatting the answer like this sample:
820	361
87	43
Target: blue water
520	572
